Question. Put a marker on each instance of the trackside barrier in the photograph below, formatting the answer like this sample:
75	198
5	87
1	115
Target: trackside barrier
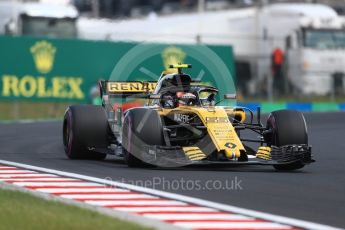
303	107
67	70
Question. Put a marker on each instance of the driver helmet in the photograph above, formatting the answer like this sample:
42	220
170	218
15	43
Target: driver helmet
185	98
168	102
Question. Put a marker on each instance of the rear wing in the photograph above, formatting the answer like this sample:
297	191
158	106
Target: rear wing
122	89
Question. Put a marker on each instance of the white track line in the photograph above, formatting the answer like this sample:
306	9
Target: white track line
134	202
81	190
16	171
6	167
108	196
167	209
184	216
27	175
40	179
233	225
177	197
57	184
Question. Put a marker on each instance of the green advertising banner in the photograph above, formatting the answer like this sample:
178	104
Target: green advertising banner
42	69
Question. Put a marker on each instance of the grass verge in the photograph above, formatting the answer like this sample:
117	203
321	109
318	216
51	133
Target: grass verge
23	211
19	110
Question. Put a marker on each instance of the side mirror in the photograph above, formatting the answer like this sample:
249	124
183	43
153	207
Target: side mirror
155	96
230	96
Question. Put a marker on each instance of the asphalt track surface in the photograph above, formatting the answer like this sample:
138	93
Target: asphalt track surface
316	193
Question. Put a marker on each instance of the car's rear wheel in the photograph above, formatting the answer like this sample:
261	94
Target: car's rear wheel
288	127
85	127
141	127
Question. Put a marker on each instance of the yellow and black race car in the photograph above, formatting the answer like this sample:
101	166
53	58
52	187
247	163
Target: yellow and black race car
181	124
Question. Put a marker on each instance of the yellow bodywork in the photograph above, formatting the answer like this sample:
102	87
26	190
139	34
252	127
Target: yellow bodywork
194	153
218	126
264	152
239	115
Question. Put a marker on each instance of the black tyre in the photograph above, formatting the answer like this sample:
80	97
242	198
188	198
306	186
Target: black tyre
85	126
141	126
288	127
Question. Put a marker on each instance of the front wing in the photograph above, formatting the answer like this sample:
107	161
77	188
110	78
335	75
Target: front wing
175	156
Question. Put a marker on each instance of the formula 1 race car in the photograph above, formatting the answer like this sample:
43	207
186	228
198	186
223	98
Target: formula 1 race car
181	124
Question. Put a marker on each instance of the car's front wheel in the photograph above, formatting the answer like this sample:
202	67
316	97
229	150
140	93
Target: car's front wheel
288	127
141	127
